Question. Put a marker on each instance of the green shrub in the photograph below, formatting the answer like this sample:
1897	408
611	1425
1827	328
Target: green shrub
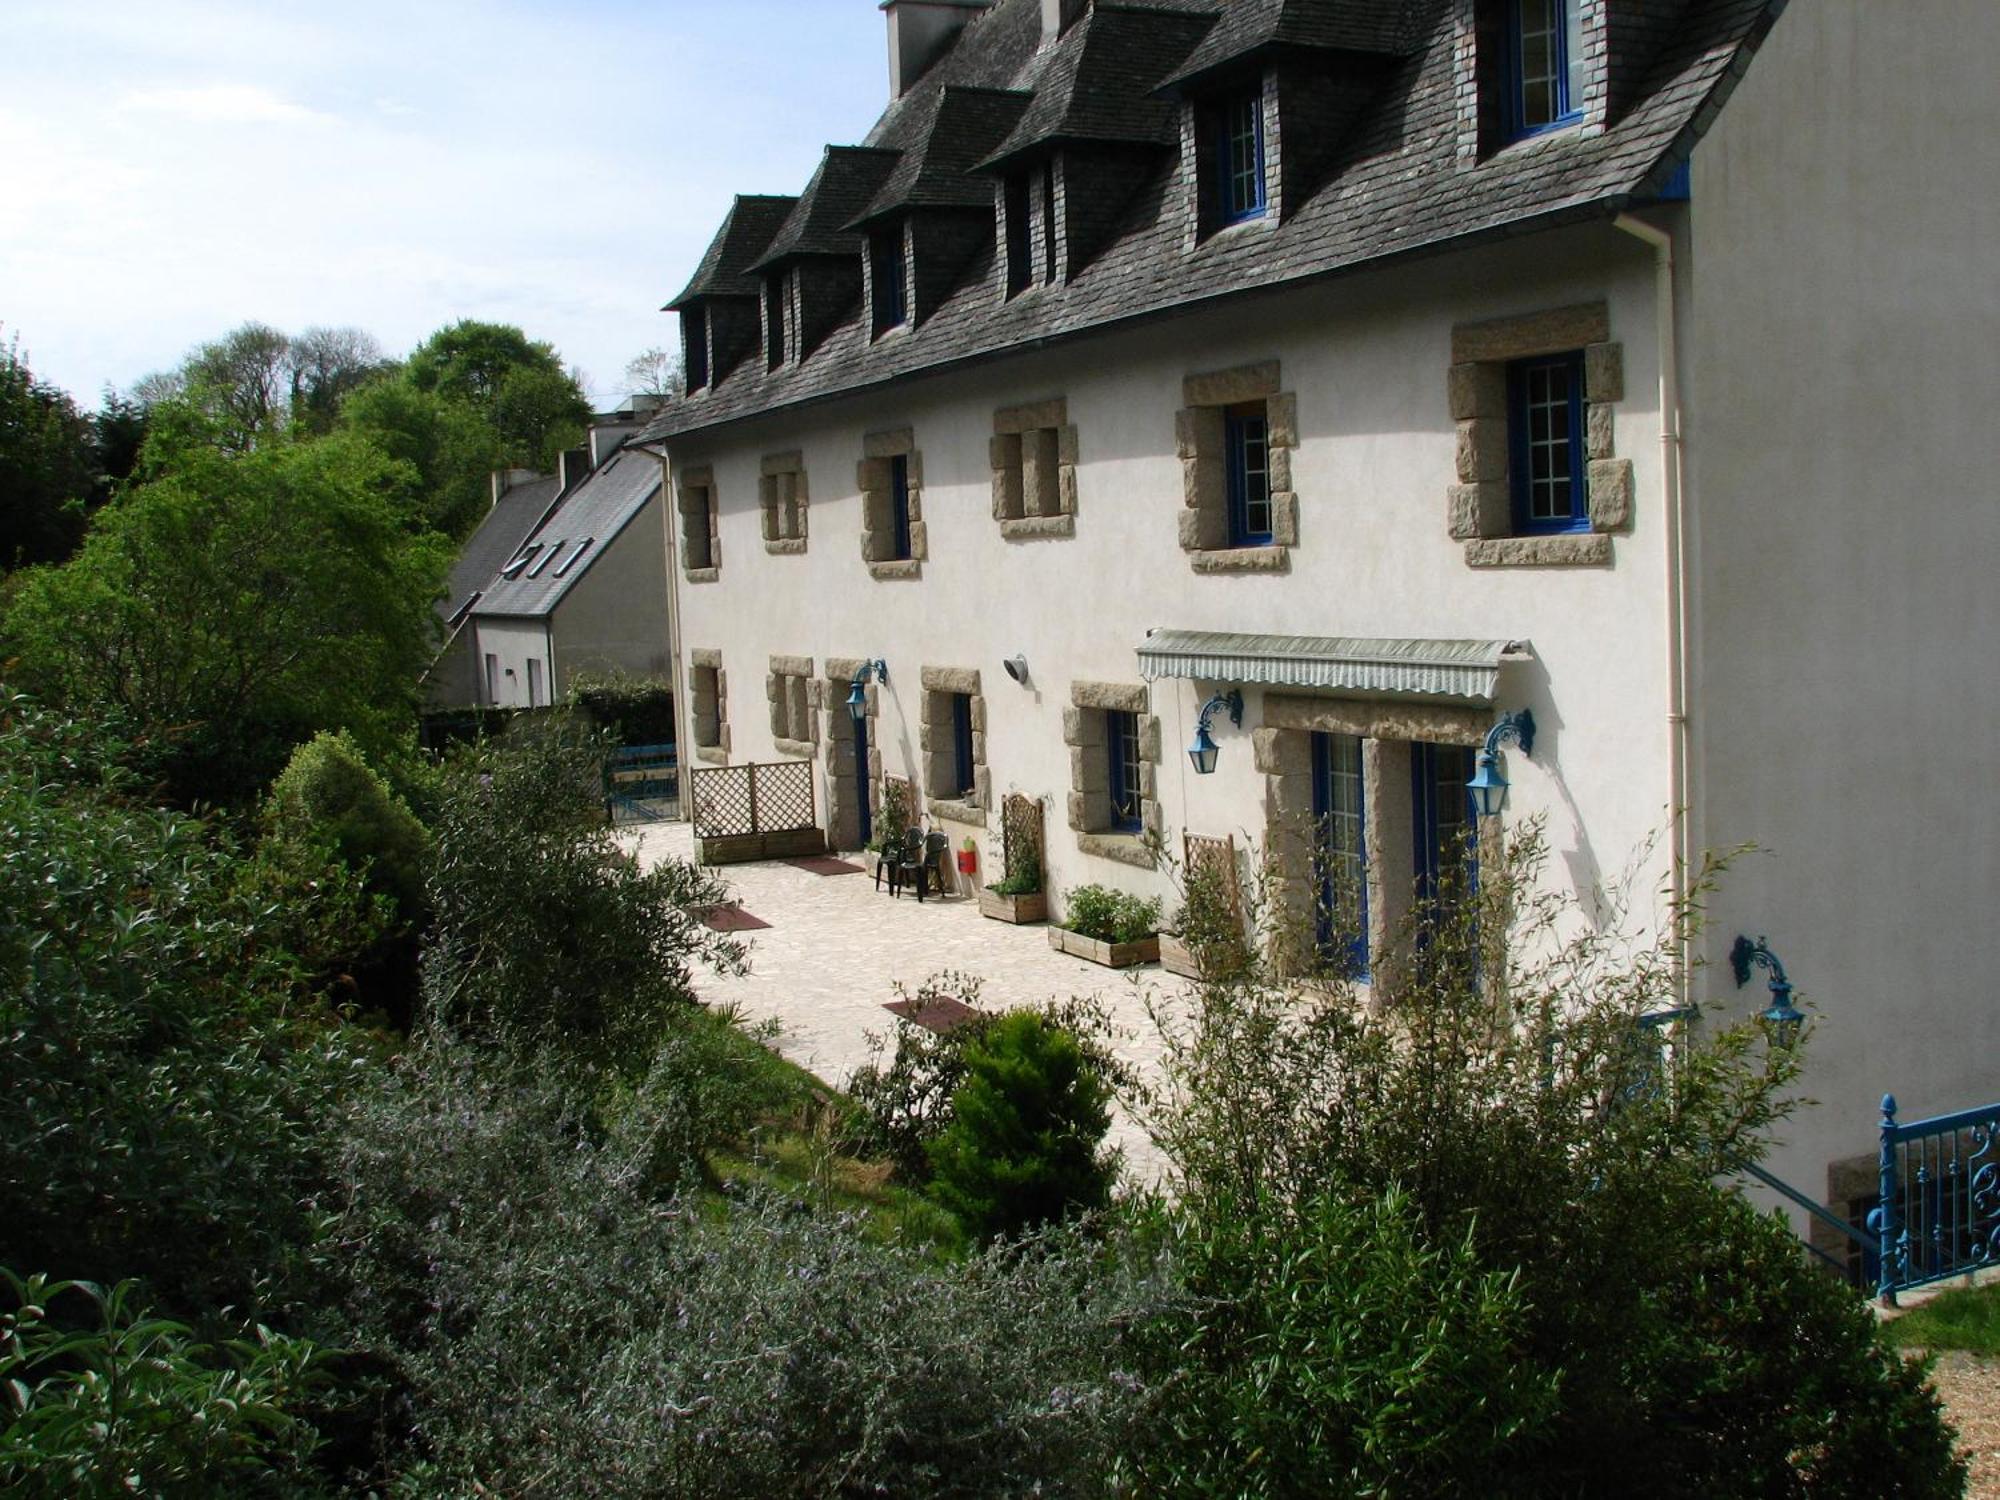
327	797
1022	1149
630	710
132	1404
1096	911
1024	878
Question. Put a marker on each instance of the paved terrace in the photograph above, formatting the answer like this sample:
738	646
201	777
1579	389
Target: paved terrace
836	949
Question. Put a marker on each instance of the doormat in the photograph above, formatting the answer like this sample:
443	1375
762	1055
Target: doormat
825	864
940	1013
730	918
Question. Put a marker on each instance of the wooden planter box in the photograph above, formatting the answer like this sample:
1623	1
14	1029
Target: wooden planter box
1033	907
1111	955
1176	957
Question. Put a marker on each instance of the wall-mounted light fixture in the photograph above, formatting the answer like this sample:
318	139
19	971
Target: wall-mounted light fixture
1488	786
1017	668
857	695
1781	1020
1204	750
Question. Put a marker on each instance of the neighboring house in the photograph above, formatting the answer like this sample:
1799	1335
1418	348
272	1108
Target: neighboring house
1402	364
522	500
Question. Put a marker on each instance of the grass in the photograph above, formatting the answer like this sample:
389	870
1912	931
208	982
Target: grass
1968	1319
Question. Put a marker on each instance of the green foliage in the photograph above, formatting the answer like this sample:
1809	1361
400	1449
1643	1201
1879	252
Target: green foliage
1497	1088
1328	1348
230	611
328	797
1966	1318
516	384
1210	923
160	1110
630	710
450	445
1022	1149
48	466
1023	877
1096	911
546	936
132	1404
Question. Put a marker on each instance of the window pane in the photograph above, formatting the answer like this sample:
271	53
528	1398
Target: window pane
1121	733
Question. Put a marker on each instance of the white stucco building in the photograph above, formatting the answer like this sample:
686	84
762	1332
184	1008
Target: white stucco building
1400	365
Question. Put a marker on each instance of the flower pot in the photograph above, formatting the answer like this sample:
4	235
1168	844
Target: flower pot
1033	906
1111	955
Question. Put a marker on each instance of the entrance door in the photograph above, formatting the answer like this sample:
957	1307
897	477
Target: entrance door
1447	843
865	817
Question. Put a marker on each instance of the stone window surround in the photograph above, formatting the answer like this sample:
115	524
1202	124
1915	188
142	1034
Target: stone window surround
872	475
1199	430
843	825
695	497
937	742
1282	747
1480	508
793	695
782	500
705	659
1090	772
1033	454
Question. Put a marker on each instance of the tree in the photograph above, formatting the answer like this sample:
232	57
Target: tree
516	383
452	448
327	365
236	607
242	381
48	466
656	372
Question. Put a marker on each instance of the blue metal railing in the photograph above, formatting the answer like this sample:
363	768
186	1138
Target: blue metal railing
1939	1211
642	781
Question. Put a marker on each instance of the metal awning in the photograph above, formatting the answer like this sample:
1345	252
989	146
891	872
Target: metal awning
1349	664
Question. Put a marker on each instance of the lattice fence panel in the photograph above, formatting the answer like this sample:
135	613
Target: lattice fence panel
898	798
723	802
1212	859
784	796
1021	834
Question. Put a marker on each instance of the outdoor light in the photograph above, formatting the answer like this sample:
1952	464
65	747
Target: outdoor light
1781	1020
1488	786
1204	749
857	695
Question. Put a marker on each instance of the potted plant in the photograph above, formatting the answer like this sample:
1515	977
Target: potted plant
968	857
1019	897
1205	940
1109	927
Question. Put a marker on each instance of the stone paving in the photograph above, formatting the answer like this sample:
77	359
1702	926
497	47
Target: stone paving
837	948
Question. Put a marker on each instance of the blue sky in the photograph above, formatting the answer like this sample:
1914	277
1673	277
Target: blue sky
176	167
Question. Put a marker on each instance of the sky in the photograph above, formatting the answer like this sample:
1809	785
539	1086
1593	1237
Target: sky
170	169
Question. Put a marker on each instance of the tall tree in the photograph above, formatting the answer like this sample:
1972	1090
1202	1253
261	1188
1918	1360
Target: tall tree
450	445
48	466
243	382
327	365
655	372
518	384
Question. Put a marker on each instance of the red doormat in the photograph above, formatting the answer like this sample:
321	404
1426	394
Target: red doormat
731	918
825	864
940	1013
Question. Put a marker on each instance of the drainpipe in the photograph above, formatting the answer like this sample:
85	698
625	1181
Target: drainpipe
683	709
1675	519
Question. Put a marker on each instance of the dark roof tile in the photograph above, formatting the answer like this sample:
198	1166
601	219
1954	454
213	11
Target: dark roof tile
724	267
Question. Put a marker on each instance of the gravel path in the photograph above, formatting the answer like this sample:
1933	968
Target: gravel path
1971	1390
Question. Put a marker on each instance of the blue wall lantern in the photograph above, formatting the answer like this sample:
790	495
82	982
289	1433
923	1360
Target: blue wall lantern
857	695
1204	750
1781	1020
1488	786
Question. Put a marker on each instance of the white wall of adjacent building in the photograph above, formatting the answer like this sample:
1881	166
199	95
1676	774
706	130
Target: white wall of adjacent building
1844	360
509	656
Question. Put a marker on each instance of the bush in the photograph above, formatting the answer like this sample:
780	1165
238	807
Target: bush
1023	879
327	797
131	1404
1109	916
1022	1147
630	710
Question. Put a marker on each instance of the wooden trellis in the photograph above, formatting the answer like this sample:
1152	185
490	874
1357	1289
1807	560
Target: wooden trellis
1021	834
1213	860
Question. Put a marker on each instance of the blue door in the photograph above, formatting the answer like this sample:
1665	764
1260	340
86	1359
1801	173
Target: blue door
861	779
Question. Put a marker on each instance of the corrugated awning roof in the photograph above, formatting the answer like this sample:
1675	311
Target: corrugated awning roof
1351	664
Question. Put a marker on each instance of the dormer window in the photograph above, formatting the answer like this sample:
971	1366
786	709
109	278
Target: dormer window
1239	148
774	320
1034	236
888	270
694	339
1545	39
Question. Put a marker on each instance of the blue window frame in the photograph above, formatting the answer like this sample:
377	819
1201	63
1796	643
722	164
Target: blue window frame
1546	448
1247	474
1239	157
961	743
889	273
1446	849
1121	740
1340	818
899	506
1545	64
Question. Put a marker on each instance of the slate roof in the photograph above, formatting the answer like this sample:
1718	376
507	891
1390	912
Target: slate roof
848	177
725	266
573	537
1252	27
510	522
935	170
1398	186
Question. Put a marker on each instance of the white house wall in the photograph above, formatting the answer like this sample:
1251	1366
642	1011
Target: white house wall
1367	358
614	618
1845	338
514	643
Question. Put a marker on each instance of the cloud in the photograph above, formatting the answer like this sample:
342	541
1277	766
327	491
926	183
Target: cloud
225	104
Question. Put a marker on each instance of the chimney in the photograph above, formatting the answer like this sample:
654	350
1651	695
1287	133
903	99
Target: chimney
571	467
1058	16
607	437
919	31
505	479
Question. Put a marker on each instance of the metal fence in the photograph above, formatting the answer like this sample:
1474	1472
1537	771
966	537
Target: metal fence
642	784
1939	1210
775	797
